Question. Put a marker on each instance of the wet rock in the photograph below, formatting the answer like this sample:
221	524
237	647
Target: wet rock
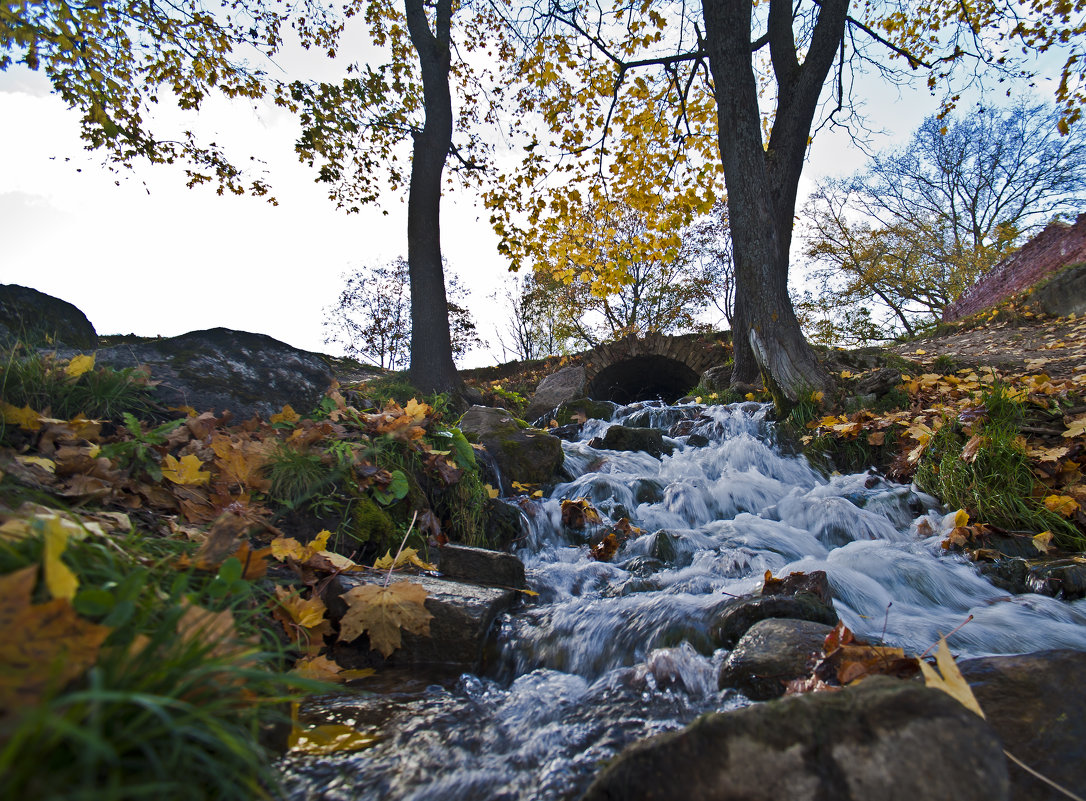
565	385
1062	579
626	438
40	320
480	566
816	584
737	616
464	615
663	547
574	410
648	491
1011	575
221	369
571	432
522	454
697	440
503	523
771	653
643	566
1036	704
883	739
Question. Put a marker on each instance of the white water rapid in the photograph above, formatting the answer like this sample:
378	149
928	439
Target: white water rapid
610	652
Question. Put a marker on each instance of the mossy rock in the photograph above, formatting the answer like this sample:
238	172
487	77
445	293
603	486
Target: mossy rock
584	407
525	455
372	526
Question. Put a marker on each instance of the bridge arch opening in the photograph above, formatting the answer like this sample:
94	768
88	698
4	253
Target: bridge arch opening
644	377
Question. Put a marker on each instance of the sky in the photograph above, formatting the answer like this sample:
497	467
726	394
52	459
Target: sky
144	254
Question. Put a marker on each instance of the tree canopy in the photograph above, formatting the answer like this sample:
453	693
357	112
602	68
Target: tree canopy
650	101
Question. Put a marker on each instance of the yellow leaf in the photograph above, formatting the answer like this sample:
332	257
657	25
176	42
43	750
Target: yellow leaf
1076	429
961	518
532	593
951	681
1061	504
1043	541
493	493
408	556
59	578
48	465
749	396
382	612
307	613
79	365
920	352
287	415
187	471
26	418
537	494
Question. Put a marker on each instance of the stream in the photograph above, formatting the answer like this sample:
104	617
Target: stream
612	652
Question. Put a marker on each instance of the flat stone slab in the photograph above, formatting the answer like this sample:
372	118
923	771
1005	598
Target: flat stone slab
464	616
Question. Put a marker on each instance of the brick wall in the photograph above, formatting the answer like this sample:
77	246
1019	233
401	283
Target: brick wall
1055	247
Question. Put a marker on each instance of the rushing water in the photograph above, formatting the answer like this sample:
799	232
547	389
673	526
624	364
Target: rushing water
611	652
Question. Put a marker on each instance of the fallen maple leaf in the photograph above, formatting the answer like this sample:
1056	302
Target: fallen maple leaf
287	415
950	681
382	612
26	418
78	365
185	471
1061	504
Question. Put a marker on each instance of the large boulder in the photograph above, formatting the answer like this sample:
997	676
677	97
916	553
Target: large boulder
772	652
565	385
1036	704
460	630
220	369
41	320
522	454
882	739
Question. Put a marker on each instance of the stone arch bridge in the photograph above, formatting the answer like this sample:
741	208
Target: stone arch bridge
652	366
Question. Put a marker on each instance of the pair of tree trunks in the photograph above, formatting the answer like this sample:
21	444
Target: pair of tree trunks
762	181
432	368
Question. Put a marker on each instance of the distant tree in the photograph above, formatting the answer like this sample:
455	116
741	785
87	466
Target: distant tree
372	318
534	327
904	237
626	280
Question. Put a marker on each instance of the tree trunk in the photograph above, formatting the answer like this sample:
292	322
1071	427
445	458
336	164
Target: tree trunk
432	368
762	182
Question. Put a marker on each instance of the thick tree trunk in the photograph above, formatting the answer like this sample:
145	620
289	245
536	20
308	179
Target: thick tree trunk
762	182
432	368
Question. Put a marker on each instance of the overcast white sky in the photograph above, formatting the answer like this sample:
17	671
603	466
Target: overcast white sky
154	258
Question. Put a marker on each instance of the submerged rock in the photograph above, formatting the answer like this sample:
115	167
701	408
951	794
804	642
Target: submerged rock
770	654
883	739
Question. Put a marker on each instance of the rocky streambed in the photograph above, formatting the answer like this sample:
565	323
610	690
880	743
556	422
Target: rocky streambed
648	615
